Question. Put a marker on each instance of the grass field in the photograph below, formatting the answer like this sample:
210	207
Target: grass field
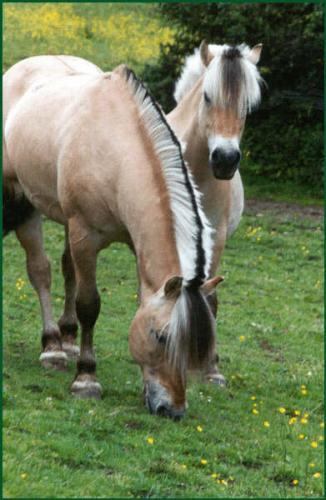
262	436
233	442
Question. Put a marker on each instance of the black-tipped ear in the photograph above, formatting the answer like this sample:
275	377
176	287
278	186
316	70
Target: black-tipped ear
205	54
172	287
209	286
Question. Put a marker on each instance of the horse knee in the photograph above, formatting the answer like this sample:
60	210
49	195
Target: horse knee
39	271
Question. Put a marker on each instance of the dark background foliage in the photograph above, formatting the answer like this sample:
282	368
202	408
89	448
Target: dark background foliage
284	138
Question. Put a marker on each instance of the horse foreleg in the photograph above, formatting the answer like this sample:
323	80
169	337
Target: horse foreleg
30	237
212	373
84	253
68	321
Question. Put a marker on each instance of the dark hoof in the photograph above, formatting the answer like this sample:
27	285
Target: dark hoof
54	360
216	378
86	389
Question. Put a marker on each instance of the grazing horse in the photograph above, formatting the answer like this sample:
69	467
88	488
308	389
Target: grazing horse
219	85
77	144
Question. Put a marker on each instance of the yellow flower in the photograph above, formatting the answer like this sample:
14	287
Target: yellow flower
316	475
255	412
223	481
214	476
203	461
321	438
253	398
312	464
183	466
314	444
266	423
304	392
295	482
303	386
282	410
321	425
199	428
306	415
254	405
23	475
297	412
292	420
242	338
301	436
150	440
304	420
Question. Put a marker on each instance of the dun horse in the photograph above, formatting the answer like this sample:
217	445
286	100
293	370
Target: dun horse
76	143
218	86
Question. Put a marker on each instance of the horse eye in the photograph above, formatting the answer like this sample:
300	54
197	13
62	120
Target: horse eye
158	336
206	98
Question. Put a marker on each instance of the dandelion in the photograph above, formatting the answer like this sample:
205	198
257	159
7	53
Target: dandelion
255	412
292	420
203	461
254	405
135	296
150	440
311	465
321	438
282	410
183	466
321	425
301	436
199	428
266	424
304	392
304	420
242	338
314	444
214	475
294	482
253	398
23	475
316	475
224	482
303	386
305	415
297	412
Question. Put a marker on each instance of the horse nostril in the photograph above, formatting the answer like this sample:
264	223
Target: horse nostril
237	157
163	411
216	156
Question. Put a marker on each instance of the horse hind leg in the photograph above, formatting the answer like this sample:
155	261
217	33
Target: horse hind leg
84	255
68	321
29	235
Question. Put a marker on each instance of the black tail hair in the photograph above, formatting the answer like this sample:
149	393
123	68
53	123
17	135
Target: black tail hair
17	209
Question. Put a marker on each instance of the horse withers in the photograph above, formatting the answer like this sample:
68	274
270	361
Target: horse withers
218	87
76	143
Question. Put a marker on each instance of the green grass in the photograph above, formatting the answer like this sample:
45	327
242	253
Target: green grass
270	332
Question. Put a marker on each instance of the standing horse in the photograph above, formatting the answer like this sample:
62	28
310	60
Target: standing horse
218	86
77	143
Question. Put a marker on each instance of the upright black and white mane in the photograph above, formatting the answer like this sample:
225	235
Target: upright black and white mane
230	80
192	229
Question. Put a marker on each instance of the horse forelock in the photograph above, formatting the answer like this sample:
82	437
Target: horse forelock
190	332
232	81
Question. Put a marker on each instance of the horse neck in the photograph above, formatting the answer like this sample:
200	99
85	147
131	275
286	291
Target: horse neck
184	119
150	224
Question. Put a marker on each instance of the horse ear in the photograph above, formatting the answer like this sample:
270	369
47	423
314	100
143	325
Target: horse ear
254	54
209	286
172	287
205	54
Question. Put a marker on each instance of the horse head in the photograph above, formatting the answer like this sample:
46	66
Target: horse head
172	331
230	89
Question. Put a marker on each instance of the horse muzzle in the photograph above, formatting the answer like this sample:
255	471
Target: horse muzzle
224	164
159	403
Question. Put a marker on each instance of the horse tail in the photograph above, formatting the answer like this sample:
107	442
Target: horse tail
191	332
17	209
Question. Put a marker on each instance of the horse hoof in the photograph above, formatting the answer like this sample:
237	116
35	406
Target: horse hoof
71	350
218	379
86	389
54	360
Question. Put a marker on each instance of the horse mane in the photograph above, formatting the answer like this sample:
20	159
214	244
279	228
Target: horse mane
230	80
192	230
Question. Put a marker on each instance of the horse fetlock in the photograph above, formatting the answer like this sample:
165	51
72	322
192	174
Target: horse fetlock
86	386
68	339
